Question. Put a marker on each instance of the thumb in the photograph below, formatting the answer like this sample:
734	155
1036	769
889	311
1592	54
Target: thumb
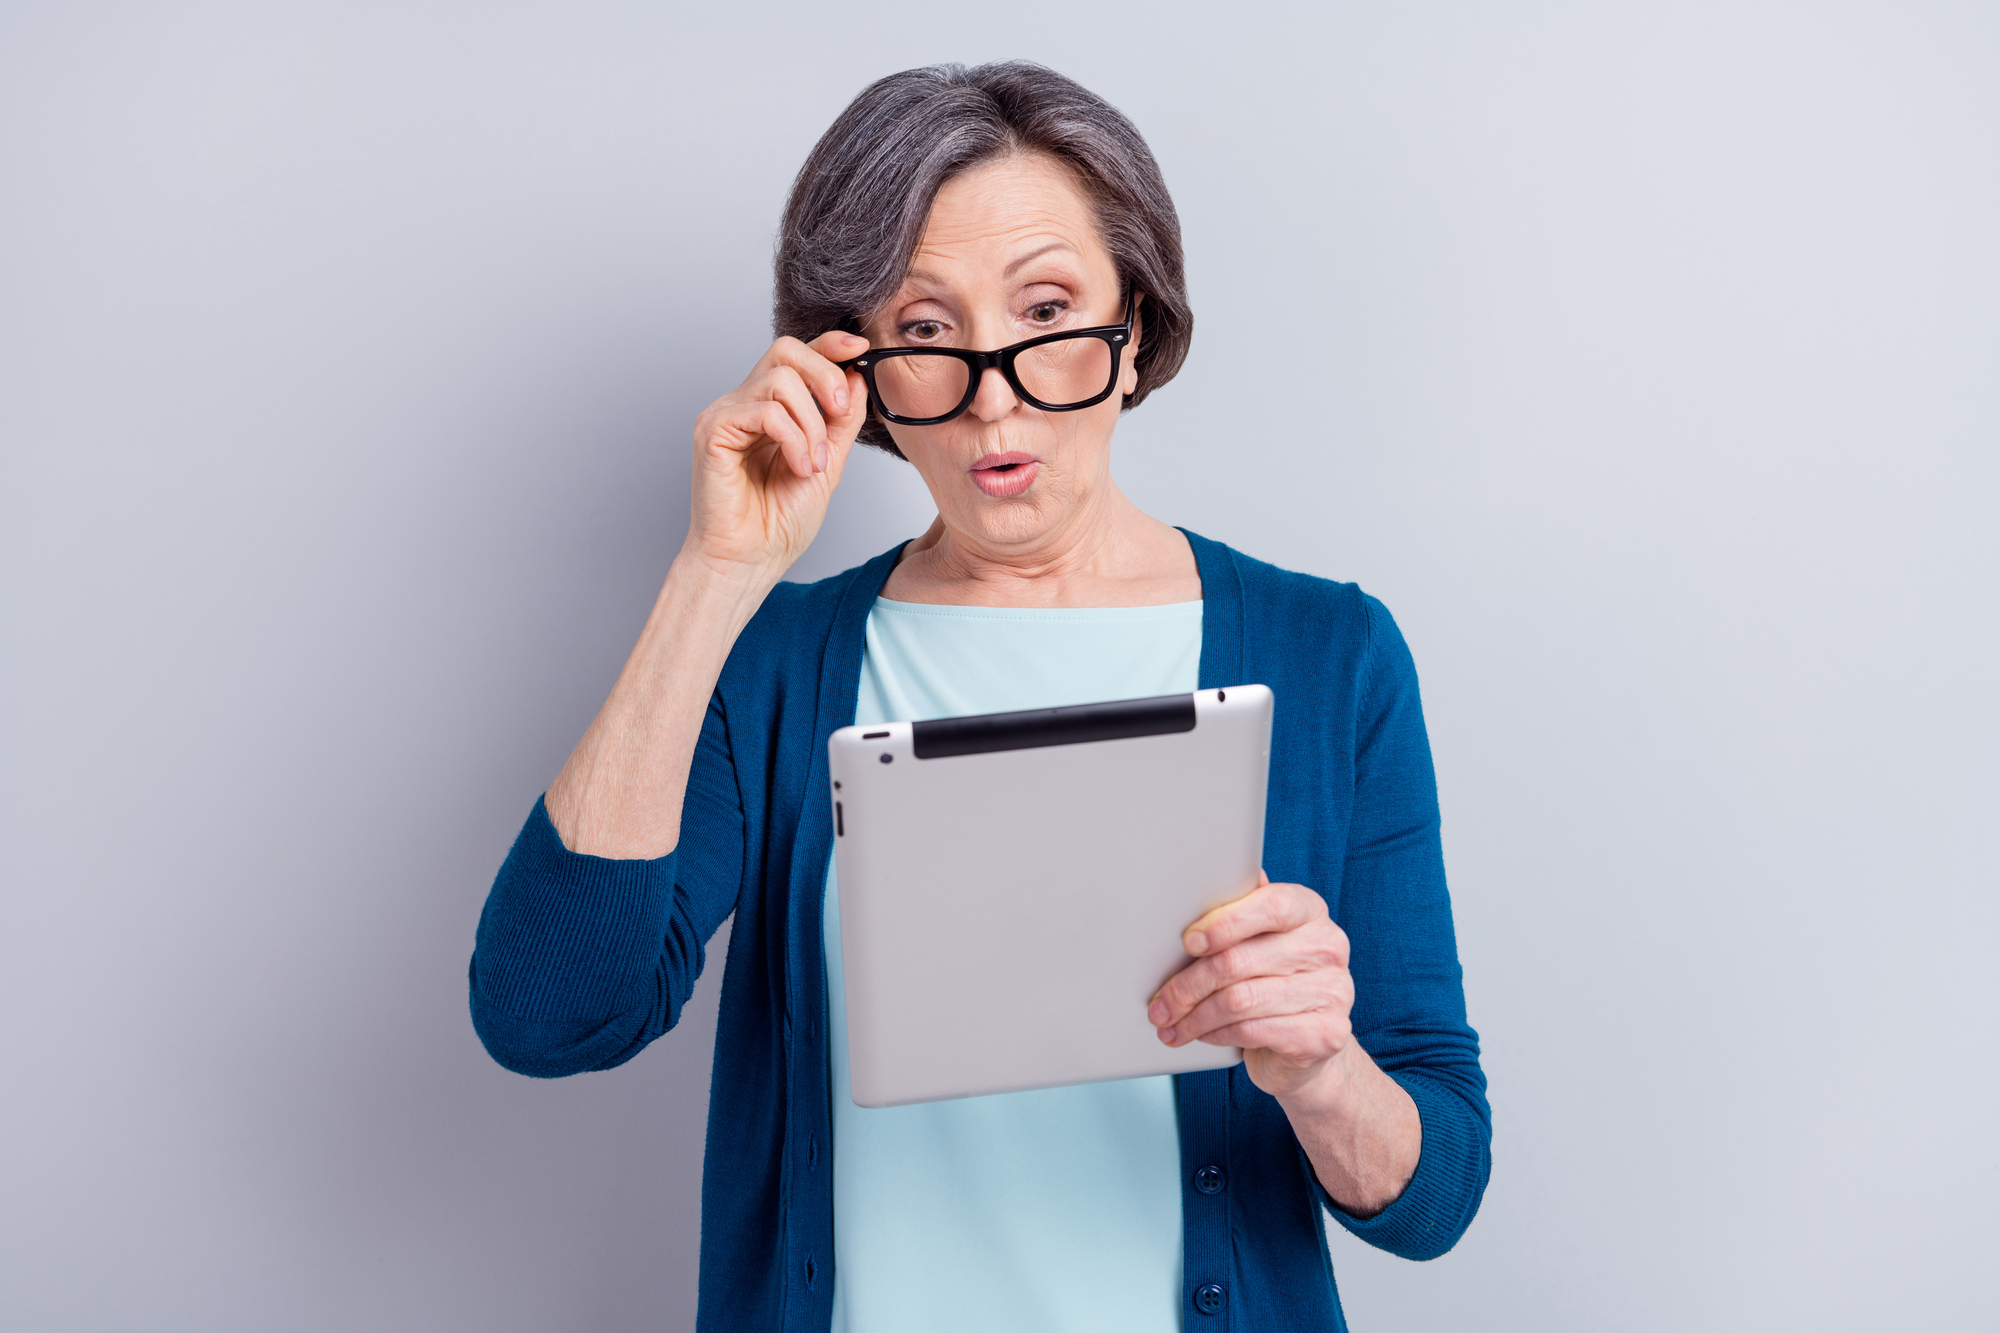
843	427
837	346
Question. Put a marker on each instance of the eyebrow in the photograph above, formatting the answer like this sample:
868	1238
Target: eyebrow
922	277
925	277
1035	254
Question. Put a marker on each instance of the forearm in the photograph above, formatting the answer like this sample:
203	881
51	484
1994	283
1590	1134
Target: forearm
1360	1131
620	793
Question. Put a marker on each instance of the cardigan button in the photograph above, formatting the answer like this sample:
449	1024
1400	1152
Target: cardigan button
1209	1298
1209	1180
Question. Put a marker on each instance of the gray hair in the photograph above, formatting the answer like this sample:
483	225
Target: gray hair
858	207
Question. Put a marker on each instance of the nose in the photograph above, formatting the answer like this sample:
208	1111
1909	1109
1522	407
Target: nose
996	397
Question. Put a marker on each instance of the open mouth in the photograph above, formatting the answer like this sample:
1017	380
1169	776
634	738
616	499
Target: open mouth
1004	475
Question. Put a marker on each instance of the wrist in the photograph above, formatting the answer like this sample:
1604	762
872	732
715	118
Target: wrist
1359	1129
1328	1092
716	586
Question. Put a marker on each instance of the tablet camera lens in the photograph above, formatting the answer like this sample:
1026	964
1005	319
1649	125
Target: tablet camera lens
887	758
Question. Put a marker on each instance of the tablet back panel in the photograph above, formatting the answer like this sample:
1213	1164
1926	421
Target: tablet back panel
1013	887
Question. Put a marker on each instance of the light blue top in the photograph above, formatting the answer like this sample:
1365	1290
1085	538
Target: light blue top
582	960
1058	1209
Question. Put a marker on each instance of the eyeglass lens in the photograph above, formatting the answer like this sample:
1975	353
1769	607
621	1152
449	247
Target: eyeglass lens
1071	370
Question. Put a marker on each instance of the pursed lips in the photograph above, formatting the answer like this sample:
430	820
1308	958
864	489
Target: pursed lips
1005	475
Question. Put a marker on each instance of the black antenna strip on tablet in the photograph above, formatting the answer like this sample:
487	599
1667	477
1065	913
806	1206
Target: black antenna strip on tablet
1117	720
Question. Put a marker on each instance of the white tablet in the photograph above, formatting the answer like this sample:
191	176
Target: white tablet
1013	887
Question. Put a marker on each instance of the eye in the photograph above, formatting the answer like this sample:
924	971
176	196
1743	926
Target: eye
924	330
1046	311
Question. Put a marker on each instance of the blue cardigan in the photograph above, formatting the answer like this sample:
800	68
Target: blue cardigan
581	961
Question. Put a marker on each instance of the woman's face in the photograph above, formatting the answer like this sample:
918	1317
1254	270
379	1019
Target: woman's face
1010	252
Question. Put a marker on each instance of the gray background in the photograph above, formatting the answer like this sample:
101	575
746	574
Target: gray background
1642	358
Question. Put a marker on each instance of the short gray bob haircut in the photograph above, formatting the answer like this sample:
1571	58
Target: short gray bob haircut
858	208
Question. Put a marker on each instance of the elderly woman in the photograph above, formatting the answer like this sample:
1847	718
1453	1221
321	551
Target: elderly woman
979	271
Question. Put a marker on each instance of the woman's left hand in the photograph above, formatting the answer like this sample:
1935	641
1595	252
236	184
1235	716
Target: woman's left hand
1270	975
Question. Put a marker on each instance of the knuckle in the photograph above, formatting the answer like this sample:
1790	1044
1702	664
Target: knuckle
778	422
1242	997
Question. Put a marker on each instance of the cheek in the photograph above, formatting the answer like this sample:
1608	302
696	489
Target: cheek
1093	428
912	440
927	446
1070	441
927	453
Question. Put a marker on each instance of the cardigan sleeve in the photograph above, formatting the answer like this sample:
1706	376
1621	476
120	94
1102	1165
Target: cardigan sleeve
1409	996
579	960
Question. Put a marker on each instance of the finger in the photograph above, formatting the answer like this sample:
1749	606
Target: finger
814	364
1322	998
1296	1041
787	386
1265	908
835	346
740	428
1271	1004
1313	947
843	428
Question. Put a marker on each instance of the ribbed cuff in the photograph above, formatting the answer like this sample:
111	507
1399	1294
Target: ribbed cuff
1439	1203
565	935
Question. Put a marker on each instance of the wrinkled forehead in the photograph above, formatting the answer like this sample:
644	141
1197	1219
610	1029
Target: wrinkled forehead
1007	220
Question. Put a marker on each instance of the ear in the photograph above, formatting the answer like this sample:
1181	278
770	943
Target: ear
1128	378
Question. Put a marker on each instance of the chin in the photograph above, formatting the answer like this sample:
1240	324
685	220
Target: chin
1021	518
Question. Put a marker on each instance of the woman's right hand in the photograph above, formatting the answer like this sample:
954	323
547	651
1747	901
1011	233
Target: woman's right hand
766	459
768	454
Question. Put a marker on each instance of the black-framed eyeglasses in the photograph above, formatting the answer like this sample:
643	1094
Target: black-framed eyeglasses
1057	372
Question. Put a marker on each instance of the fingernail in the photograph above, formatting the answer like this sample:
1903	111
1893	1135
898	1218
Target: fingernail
819	456
1197	942
1157	1014
840	399
1167	1035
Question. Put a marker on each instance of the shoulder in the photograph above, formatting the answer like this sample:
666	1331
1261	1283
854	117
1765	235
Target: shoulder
1331	653
1304	613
